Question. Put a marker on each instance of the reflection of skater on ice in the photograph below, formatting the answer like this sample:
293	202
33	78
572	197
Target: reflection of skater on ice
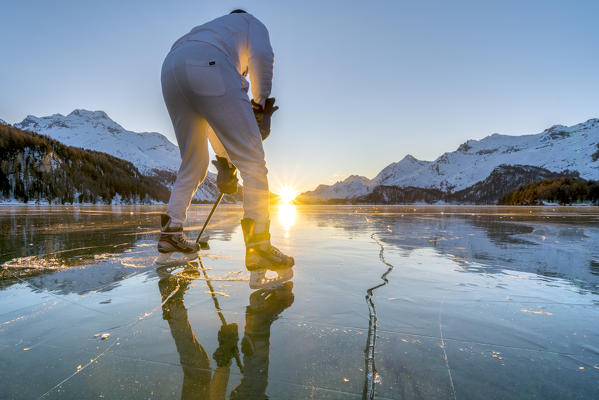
264	308
199	381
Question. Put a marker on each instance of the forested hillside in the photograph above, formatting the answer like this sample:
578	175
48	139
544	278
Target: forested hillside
36	168
560	190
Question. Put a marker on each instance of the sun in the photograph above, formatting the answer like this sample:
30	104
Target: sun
287	194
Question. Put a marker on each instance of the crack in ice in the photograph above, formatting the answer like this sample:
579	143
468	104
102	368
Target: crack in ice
158	307
453	396
371	375
116	341
79	369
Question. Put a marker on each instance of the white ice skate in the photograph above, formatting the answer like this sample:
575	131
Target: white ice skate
260	254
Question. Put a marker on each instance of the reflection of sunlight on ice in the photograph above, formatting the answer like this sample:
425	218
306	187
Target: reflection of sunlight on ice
217	293
287	213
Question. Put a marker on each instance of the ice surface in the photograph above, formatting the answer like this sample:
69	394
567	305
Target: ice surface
385	302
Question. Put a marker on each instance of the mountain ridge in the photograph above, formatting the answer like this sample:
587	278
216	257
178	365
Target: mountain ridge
556	149
37	168
151	152
95	130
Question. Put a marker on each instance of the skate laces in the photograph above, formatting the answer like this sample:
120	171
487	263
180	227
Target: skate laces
180	237
277	252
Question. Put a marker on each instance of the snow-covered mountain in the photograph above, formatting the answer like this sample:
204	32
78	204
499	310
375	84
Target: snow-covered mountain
353	186
151	152
94	130
556	149
36	168
3	122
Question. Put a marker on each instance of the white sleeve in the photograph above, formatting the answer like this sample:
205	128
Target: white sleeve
261	60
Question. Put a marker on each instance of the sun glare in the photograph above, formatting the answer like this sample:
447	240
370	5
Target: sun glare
287	214
287	194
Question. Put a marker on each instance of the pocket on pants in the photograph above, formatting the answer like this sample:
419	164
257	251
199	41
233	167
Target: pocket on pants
205	78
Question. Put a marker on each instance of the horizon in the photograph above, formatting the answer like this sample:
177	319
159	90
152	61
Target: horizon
287	187
417	81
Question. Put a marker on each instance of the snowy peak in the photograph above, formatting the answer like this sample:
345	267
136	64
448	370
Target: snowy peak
339	190
95	130
77	119
403	168
408	159
555	128
356	179
89	114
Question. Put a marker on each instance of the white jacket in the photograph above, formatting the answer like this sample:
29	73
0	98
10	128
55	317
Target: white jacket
245	39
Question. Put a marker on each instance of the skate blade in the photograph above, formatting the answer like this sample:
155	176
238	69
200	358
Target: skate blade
259	280
173	259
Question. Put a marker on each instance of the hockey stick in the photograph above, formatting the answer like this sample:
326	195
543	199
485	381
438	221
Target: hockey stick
218	309
204	245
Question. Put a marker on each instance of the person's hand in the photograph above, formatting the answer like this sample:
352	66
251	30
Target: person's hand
263	115
226	180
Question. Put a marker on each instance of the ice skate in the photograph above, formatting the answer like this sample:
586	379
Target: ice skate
260	254
173	247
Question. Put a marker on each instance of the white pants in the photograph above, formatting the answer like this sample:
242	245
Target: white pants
207	100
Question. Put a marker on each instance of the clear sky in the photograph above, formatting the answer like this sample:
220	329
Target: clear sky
360	83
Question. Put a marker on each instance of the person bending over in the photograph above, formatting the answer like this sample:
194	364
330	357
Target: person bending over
206	93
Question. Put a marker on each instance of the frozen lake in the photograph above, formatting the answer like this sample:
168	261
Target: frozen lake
404	302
